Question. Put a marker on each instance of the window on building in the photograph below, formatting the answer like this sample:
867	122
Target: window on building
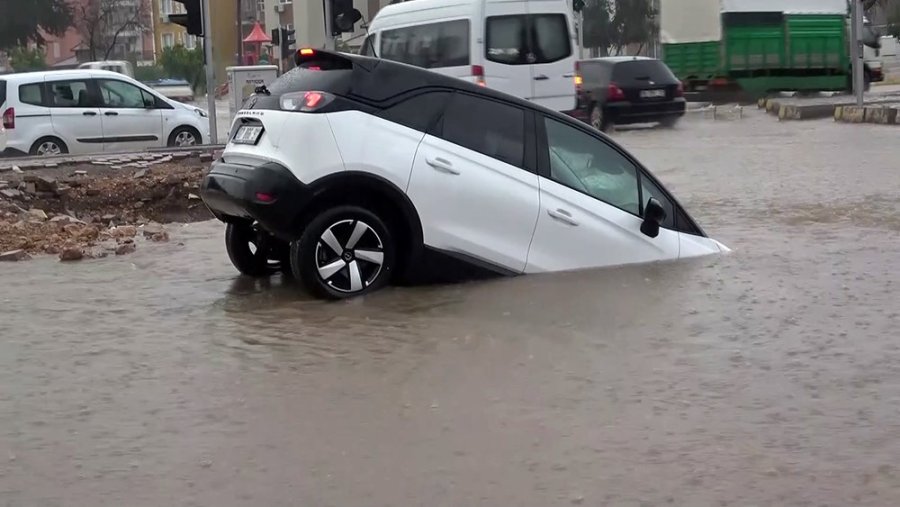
190	41
168	40
55	50
165	7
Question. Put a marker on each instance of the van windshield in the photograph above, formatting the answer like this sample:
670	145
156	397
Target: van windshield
527	39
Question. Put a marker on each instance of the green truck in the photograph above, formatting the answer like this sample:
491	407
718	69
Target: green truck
762	46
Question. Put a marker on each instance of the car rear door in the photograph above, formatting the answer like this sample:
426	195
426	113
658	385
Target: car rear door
553	55
507	58
75	113
473	183
130	119
591	205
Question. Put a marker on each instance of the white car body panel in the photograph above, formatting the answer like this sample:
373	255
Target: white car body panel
472	204
386	150
576	231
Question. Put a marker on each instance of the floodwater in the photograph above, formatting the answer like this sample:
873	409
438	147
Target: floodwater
767	377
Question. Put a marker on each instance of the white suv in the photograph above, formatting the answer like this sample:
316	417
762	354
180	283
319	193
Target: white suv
91	111
350	172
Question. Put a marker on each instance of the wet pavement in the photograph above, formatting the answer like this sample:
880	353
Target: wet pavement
770	376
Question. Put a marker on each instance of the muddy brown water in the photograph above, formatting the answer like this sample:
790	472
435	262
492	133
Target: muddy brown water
770	376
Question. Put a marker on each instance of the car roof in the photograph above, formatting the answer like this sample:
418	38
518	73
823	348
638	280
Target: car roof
23	77
405	78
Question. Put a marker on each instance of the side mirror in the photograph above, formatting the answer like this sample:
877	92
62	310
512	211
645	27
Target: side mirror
654	215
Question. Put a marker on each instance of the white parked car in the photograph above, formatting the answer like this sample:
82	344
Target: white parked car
90	111
525	48
350	172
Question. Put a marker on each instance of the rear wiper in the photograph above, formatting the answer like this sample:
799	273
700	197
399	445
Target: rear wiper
262	89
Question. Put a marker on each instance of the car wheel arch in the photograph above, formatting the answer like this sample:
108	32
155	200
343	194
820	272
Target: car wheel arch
378	195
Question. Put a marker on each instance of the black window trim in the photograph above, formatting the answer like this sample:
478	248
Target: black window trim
543	153
529	156
529	20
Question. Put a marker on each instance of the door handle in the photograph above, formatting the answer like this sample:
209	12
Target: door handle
111	113
89	113
563	216
441	164
541	77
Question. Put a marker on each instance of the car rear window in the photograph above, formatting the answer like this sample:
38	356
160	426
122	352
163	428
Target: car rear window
594	73
642	70
2	92
527	39
32	94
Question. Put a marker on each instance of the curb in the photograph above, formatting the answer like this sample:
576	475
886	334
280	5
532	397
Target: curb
880	115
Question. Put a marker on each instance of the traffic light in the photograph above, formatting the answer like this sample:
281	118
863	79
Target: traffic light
343	16
287	40
577	5
192	20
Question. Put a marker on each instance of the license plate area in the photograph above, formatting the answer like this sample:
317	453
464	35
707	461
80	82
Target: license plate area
653	94
247	134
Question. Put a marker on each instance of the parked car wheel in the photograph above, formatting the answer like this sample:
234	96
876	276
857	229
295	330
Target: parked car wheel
48	146
344	252
184	137
255	252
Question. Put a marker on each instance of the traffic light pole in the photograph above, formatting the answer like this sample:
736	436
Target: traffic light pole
210	73
329	38
856	49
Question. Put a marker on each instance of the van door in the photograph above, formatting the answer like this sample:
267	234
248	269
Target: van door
75	114
553	56
507	65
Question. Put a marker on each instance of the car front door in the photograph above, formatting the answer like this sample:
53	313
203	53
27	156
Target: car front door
591	205
130	118
474	183
75	115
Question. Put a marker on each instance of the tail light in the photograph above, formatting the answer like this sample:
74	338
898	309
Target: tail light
478	73
9	118
305	102
679	92
614	93
579	80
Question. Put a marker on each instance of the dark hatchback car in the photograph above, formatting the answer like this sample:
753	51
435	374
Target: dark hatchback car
627	90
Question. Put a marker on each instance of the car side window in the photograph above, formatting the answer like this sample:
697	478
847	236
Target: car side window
419	112
488	127
70	94
32	94
584	163
119	94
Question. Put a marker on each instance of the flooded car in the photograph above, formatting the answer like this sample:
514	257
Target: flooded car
351	172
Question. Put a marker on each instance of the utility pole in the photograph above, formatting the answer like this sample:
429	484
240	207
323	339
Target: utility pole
210	73
856	50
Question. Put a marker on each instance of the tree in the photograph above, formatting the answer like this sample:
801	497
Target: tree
893	21
598	26
103	23
180	62
614	24
23	59
30	19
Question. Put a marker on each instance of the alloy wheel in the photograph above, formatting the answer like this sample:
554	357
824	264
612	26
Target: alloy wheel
185	138
49	148
349	256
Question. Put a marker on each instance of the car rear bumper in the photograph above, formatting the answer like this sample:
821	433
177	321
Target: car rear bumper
637	112
268	194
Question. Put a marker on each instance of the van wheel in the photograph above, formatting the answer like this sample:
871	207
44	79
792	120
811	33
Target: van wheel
344	252
183	137
598	119
253	251
48	146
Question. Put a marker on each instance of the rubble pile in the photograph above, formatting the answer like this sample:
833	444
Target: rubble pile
95	209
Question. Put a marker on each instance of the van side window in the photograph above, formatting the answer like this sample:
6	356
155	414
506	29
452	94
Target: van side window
70	94
527	39
444	44
32	94
490	128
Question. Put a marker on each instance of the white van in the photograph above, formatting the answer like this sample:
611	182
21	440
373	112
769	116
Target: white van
120	66
524	48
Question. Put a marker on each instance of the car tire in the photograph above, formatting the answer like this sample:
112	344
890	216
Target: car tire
255	252
598	119
48	146
364	264
183	137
